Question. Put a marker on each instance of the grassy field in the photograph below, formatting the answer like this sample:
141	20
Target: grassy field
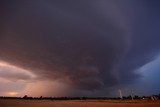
77	103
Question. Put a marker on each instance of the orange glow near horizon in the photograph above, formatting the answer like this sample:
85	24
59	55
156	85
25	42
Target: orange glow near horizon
12	93
13	86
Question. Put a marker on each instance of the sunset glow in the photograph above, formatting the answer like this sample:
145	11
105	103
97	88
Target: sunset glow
12	93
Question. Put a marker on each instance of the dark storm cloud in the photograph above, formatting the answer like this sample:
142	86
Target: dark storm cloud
83	43
145	37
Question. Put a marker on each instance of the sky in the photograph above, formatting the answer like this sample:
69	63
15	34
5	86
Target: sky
79	48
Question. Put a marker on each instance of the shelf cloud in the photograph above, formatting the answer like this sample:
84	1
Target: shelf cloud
89	45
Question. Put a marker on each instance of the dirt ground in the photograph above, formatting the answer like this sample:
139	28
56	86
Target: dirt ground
77	103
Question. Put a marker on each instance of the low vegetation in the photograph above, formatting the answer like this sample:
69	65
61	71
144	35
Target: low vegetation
144	101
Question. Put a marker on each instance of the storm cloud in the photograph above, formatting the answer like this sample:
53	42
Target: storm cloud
14	73
89	45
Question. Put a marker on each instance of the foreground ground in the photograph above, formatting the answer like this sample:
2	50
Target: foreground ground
77	103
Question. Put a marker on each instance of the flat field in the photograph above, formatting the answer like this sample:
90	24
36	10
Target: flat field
77	103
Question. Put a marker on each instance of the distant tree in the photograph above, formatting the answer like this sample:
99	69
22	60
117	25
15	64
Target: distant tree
124	97
136	97
129	97
25	96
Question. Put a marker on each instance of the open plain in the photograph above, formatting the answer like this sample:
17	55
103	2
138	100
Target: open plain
78	103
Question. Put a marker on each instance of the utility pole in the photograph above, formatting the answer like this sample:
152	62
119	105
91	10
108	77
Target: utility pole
120	93
132	94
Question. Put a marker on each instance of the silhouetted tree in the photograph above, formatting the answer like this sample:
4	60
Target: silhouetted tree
25	96
136	97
